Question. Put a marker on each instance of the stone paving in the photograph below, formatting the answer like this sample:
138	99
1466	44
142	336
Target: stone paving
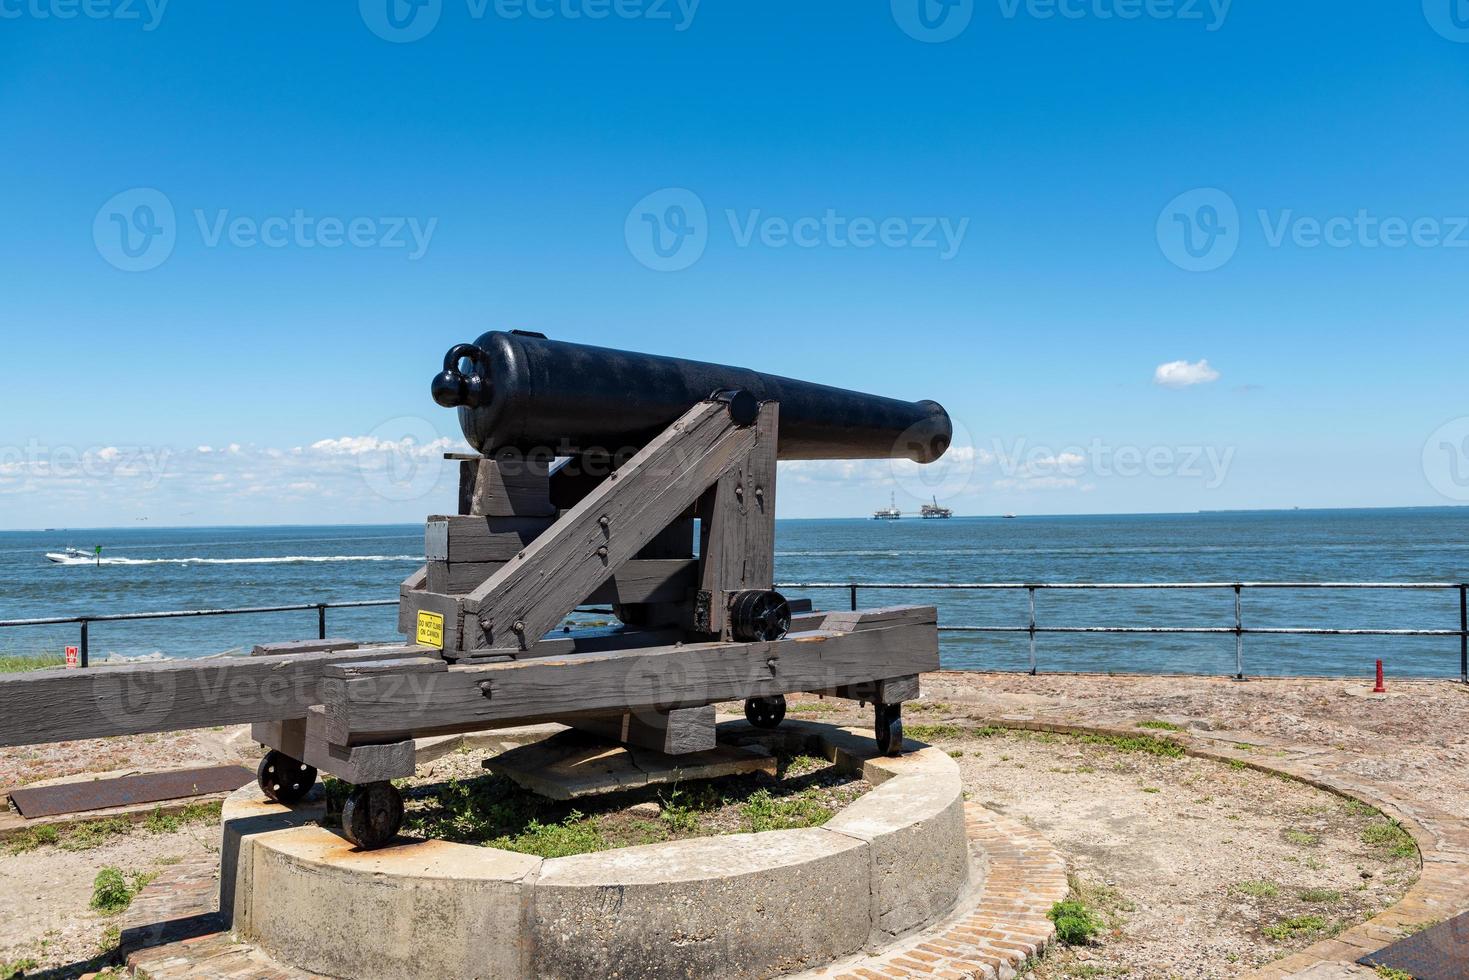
994	936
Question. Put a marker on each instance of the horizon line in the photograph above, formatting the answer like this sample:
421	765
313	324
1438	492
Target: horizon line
868	517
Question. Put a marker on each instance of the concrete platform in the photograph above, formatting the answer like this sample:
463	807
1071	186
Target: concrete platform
743	905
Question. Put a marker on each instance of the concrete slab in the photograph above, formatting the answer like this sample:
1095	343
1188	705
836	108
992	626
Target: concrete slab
748	905
429	908
914	828
572	765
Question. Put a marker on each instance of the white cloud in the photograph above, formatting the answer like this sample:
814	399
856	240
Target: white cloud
1182	374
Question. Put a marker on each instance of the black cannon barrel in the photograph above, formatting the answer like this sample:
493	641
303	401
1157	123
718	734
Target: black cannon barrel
524	392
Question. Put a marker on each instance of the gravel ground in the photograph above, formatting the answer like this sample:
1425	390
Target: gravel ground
1217	855
45	893
1188	862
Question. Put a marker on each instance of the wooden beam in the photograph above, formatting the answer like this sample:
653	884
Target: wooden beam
468	538
413	583
691	675
292	647
302	739
536	589
676	732
131	699
513	486
737	525
640	580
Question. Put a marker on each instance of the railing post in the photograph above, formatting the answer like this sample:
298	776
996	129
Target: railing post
1031	590
1239	635
1464	633
83	644
321	620
854	596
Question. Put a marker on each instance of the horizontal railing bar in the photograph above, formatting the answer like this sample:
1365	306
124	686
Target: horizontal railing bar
183	613
975	586
1247	631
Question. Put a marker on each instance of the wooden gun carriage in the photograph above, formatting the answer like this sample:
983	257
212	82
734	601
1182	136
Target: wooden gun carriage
486	619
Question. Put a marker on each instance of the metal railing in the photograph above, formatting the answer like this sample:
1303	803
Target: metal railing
85	622
1032	628
1239	629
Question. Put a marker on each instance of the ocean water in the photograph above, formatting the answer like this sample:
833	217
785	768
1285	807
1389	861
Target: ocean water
158	568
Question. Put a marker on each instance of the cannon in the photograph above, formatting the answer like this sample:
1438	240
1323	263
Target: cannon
600	477
521	391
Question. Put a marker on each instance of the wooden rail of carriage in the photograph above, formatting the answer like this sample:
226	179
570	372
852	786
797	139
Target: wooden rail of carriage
528	546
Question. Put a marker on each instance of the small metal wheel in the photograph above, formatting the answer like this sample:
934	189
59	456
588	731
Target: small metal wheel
888	725
283	779
372	815
765	712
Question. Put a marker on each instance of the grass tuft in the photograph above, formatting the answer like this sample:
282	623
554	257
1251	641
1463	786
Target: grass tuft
112	891
1390	836
1320	896
1257	889
1075	923
1166	726
1297	926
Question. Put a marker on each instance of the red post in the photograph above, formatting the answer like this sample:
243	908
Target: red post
1380	688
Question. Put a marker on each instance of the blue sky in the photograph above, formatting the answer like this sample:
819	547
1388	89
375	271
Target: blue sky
1021	208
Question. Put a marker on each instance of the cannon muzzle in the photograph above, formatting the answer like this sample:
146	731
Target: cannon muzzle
520	391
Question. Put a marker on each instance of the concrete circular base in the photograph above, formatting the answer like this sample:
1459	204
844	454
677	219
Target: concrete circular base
743	905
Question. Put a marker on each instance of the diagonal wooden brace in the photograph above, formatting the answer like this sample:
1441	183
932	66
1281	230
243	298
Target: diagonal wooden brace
535	590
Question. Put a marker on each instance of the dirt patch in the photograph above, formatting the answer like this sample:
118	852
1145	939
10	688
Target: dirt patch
46	922
454	799
1191	868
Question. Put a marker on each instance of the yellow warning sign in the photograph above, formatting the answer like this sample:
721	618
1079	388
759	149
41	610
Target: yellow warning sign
430	630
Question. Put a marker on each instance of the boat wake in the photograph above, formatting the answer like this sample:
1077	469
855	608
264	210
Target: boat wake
281	560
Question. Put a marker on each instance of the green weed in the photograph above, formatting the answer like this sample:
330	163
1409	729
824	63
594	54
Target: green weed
1390	836
1075	923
